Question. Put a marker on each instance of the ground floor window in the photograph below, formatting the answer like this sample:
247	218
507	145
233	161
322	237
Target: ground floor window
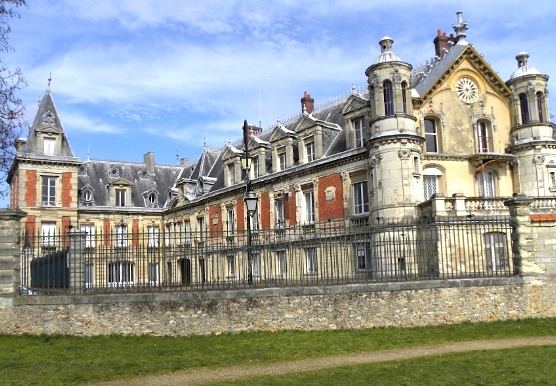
363	255
231	265
120	273
282	262
311	258
496	252
153	274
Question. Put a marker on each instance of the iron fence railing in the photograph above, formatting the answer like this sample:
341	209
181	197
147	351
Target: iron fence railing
325	253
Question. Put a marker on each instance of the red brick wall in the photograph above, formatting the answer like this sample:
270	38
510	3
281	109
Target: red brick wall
66	221
31	227
542	217
106	231
265	210
215	229
14	193
331	209
289	207
66	189
135	233
31	188
240	214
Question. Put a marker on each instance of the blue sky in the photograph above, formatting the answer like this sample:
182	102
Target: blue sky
133	76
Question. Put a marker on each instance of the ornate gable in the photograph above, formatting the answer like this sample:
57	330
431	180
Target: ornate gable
354	102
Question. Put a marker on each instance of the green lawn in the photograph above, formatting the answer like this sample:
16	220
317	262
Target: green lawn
55	360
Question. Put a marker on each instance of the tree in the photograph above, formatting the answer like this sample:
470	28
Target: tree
11	81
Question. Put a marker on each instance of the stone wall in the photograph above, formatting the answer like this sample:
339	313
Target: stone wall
312	308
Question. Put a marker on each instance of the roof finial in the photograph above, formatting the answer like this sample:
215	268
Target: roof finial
49	80
460	27
89	152
353	91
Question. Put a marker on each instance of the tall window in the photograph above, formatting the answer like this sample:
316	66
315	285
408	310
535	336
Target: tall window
254	220
388	98
363	255
256	264
48	191
282	160
48	234
168	235
152	236
89	230
153	274
483	138
359	130
552	179
309	206
539	106
496	252
310	151
404	97
524	108
120	273
120	197
201	227
89	275
49	144
431	177
255	167
230	220
232	174
279	213
231	265
282	262
311	260
485	182
121	236
360	198
187	230
431	138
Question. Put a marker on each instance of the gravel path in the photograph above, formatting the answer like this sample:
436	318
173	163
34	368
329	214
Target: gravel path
203	376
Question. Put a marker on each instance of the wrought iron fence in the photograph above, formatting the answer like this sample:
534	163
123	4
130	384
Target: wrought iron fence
325	253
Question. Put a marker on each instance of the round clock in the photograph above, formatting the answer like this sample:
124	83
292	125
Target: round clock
467	90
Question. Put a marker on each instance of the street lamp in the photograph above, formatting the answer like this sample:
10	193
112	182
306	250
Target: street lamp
250	202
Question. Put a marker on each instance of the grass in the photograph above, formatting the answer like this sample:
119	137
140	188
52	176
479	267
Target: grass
58	359
522	366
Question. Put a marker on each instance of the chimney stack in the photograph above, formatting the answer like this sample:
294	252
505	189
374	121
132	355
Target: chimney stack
149	162
441	42
307	103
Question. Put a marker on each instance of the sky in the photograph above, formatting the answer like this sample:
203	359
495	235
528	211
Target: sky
169	76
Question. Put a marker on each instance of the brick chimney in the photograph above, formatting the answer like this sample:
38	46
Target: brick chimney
441	41
308	103
148	158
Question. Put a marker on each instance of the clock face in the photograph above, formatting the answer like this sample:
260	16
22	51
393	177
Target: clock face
467	90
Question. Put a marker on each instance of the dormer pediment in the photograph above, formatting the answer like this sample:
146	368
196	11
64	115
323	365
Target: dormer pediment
231	152
281	132
354	103
255	142
120	182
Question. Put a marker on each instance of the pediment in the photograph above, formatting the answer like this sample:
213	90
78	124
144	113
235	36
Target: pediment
120	182
304	123
354	103
280	132
231	152
49	130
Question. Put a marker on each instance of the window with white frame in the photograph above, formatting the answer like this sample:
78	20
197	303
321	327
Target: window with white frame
552	179
152	236
282	262
363	255
254	221
496	252
310	151
120	197
187	229
121	236
48	234
231	265
89	230
168	235
49	146
359	130
279	211
360	198
282	160
89	275
121	273
485	184
255	166
309	203
431	178
256	264
311	260
230	220
154	274
201	227
232	173
431	137
483	139
48	193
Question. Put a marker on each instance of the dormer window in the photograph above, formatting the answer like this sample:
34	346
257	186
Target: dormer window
310	151
120	197
359	130
232	173
282	160
87	196
49	146
255	167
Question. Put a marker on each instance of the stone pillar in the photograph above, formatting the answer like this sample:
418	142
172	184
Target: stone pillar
459	204
76	260
10	263
522	237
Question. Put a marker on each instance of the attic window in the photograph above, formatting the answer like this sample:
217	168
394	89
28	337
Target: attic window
82	170
87	196
151	200
48	119
114	173
143	174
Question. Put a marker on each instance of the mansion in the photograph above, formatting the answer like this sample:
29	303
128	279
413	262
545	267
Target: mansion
450	138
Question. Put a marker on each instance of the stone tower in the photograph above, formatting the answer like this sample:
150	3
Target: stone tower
395	146
531	132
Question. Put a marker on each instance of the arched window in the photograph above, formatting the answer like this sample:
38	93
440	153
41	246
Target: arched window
539	106
431	137
404	97
431	178
485	183
388	98
524	109
483	137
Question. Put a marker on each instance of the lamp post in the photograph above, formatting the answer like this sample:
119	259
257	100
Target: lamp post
250	202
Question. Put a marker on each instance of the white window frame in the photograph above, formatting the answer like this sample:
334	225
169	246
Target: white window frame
485	184
362	255
432	135
153	233
89	275
311	260
359	131
279	212
168	235
49	146
310	151
89	230
121	273
496	252
231	259
431	181
256	264
48	190
483	138
230	216
360	197
282	262
232	173
120	197
48	234
154	274
282	161
309	206
255	167
121	236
